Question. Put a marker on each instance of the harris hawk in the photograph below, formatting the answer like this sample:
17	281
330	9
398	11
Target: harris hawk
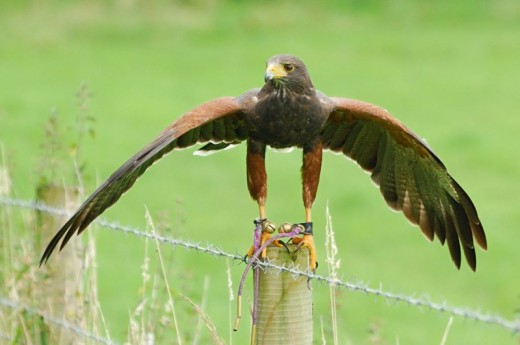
289	112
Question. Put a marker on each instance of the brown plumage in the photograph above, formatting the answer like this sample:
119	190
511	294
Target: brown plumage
288	112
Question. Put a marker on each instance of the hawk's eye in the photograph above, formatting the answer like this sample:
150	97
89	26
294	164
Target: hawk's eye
288	67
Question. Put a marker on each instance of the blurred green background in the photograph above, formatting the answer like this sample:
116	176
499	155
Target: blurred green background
448	69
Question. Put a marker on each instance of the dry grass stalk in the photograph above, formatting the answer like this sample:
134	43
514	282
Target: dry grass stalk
205	289
323	338
171	304
447	331
207	321
333	265
61	283
231	298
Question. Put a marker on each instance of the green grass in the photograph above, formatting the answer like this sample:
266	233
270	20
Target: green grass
449	71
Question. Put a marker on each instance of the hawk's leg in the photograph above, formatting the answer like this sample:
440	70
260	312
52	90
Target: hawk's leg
256	175
257	185
311	169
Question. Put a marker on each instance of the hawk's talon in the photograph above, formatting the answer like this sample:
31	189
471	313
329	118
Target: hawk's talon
286	228
283	244
307	241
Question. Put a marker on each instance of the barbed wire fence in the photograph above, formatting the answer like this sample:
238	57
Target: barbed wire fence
7	303
510	325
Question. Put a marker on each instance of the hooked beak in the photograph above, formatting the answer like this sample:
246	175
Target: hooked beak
274	70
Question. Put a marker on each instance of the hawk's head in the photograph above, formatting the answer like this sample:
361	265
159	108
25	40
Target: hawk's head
287	71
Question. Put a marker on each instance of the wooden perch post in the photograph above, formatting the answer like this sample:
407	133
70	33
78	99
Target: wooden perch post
284	300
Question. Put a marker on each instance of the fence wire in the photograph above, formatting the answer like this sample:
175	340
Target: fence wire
5	302
358	286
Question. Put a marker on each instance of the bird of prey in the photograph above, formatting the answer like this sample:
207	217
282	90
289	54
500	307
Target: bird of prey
289	112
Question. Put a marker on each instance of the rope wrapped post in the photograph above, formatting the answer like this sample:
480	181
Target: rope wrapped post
284	300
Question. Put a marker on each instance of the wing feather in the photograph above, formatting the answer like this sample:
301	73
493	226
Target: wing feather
412	179
365	147
338	139
451	237
214	121
206	131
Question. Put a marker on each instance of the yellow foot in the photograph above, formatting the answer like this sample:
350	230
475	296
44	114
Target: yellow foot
267	229
307	241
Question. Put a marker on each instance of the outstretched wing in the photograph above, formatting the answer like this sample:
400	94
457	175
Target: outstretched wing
218	121
411	177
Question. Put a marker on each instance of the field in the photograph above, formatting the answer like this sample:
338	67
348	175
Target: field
448	70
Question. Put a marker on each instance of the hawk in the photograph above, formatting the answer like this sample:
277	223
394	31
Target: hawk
289	112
